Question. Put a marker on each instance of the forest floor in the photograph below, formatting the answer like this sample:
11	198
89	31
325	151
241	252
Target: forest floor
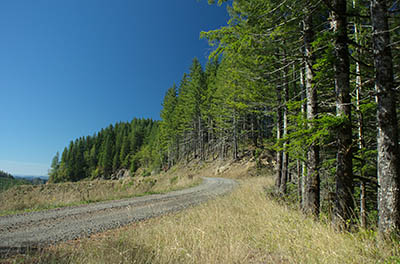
245	226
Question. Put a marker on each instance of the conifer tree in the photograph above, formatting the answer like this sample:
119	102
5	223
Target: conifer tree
388	148
55	166
344	206
168	126
311	195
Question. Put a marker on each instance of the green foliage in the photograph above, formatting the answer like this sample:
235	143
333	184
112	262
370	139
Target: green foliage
6	175
9	182
122	146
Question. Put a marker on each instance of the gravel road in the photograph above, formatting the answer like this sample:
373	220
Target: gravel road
19	233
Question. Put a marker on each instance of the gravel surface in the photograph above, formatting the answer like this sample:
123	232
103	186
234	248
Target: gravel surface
30	231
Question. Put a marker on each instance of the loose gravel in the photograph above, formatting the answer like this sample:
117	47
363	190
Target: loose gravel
31	231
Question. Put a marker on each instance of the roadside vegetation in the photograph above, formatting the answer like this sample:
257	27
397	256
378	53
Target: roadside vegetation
26	198
245	226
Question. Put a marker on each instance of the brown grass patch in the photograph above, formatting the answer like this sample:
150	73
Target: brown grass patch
25	198
242	227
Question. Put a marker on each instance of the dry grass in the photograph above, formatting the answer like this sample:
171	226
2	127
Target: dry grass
38	197
242	227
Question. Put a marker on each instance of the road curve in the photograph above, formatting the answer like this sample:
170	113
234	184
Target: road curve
22	232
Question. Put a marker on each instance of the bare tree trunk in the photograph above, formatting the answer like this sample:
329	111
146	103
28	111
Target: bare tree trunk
235	137
254	130
302	173
388	149
222	148
170	159
199	137
344	207
177	157
299	180
285	154
361	146
312	182
361	141
279	125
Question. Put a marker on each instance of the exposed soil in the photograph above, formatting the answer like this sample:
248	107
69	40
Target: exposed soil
31	231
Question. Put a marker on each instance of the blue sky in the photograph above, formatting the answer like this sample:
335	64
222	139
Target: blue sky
70	68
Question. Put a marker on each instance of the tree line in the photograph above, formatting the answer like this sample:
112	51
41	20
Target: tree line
4	174
316	81
128	145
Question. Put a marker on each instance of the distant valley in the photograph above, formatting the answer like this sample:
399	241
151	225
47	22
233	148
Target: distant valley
7	180
31	178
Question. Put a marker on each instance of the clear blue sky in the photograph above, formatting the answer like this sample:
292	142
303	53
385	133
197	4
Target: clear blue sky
70	68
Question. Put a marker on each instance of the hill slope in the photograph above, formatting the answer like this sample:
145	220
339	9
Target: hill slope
242	227
7	183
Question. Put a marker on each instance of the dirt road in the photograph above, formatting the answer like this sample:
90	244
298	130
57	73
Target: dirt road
34	230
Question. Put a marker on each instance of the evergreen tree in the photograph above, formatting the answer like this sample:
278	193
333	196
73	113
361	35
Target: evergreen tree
168	126
388	148
344	206
311	195
55	166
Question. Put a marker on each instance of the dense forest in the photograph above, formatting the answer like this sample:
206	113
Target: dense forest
316	81
124	145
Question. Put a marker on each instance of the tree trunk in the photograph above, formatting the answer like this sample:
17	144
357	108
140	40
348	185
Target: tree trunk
361	146
302	174
279	125
344	207
199	137
254	130
299	180
235	137
388	149
177	157
312	182
285	154
361	141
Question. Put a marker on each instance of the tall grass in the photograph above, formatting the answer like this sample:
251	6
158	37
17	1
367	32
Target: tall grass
38	197
242	227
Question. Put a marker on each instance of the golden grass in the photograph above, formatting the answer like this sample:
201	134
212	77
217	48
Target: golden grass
242	227
38	197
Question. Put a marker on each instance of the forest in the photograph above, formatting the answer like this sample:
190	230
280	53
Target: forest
123	145
6	175
314	81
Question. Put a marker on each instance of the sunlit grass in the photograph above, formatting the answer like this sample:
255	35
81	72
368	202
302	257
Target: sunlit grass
28	198
242	227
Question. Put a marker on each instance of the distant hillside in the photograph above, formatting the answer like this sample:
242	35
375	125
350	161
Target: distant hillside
7	181
35	180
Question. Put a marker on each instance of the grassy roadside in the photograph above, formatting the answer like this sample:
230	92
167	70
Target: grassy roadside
242	227
27	198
